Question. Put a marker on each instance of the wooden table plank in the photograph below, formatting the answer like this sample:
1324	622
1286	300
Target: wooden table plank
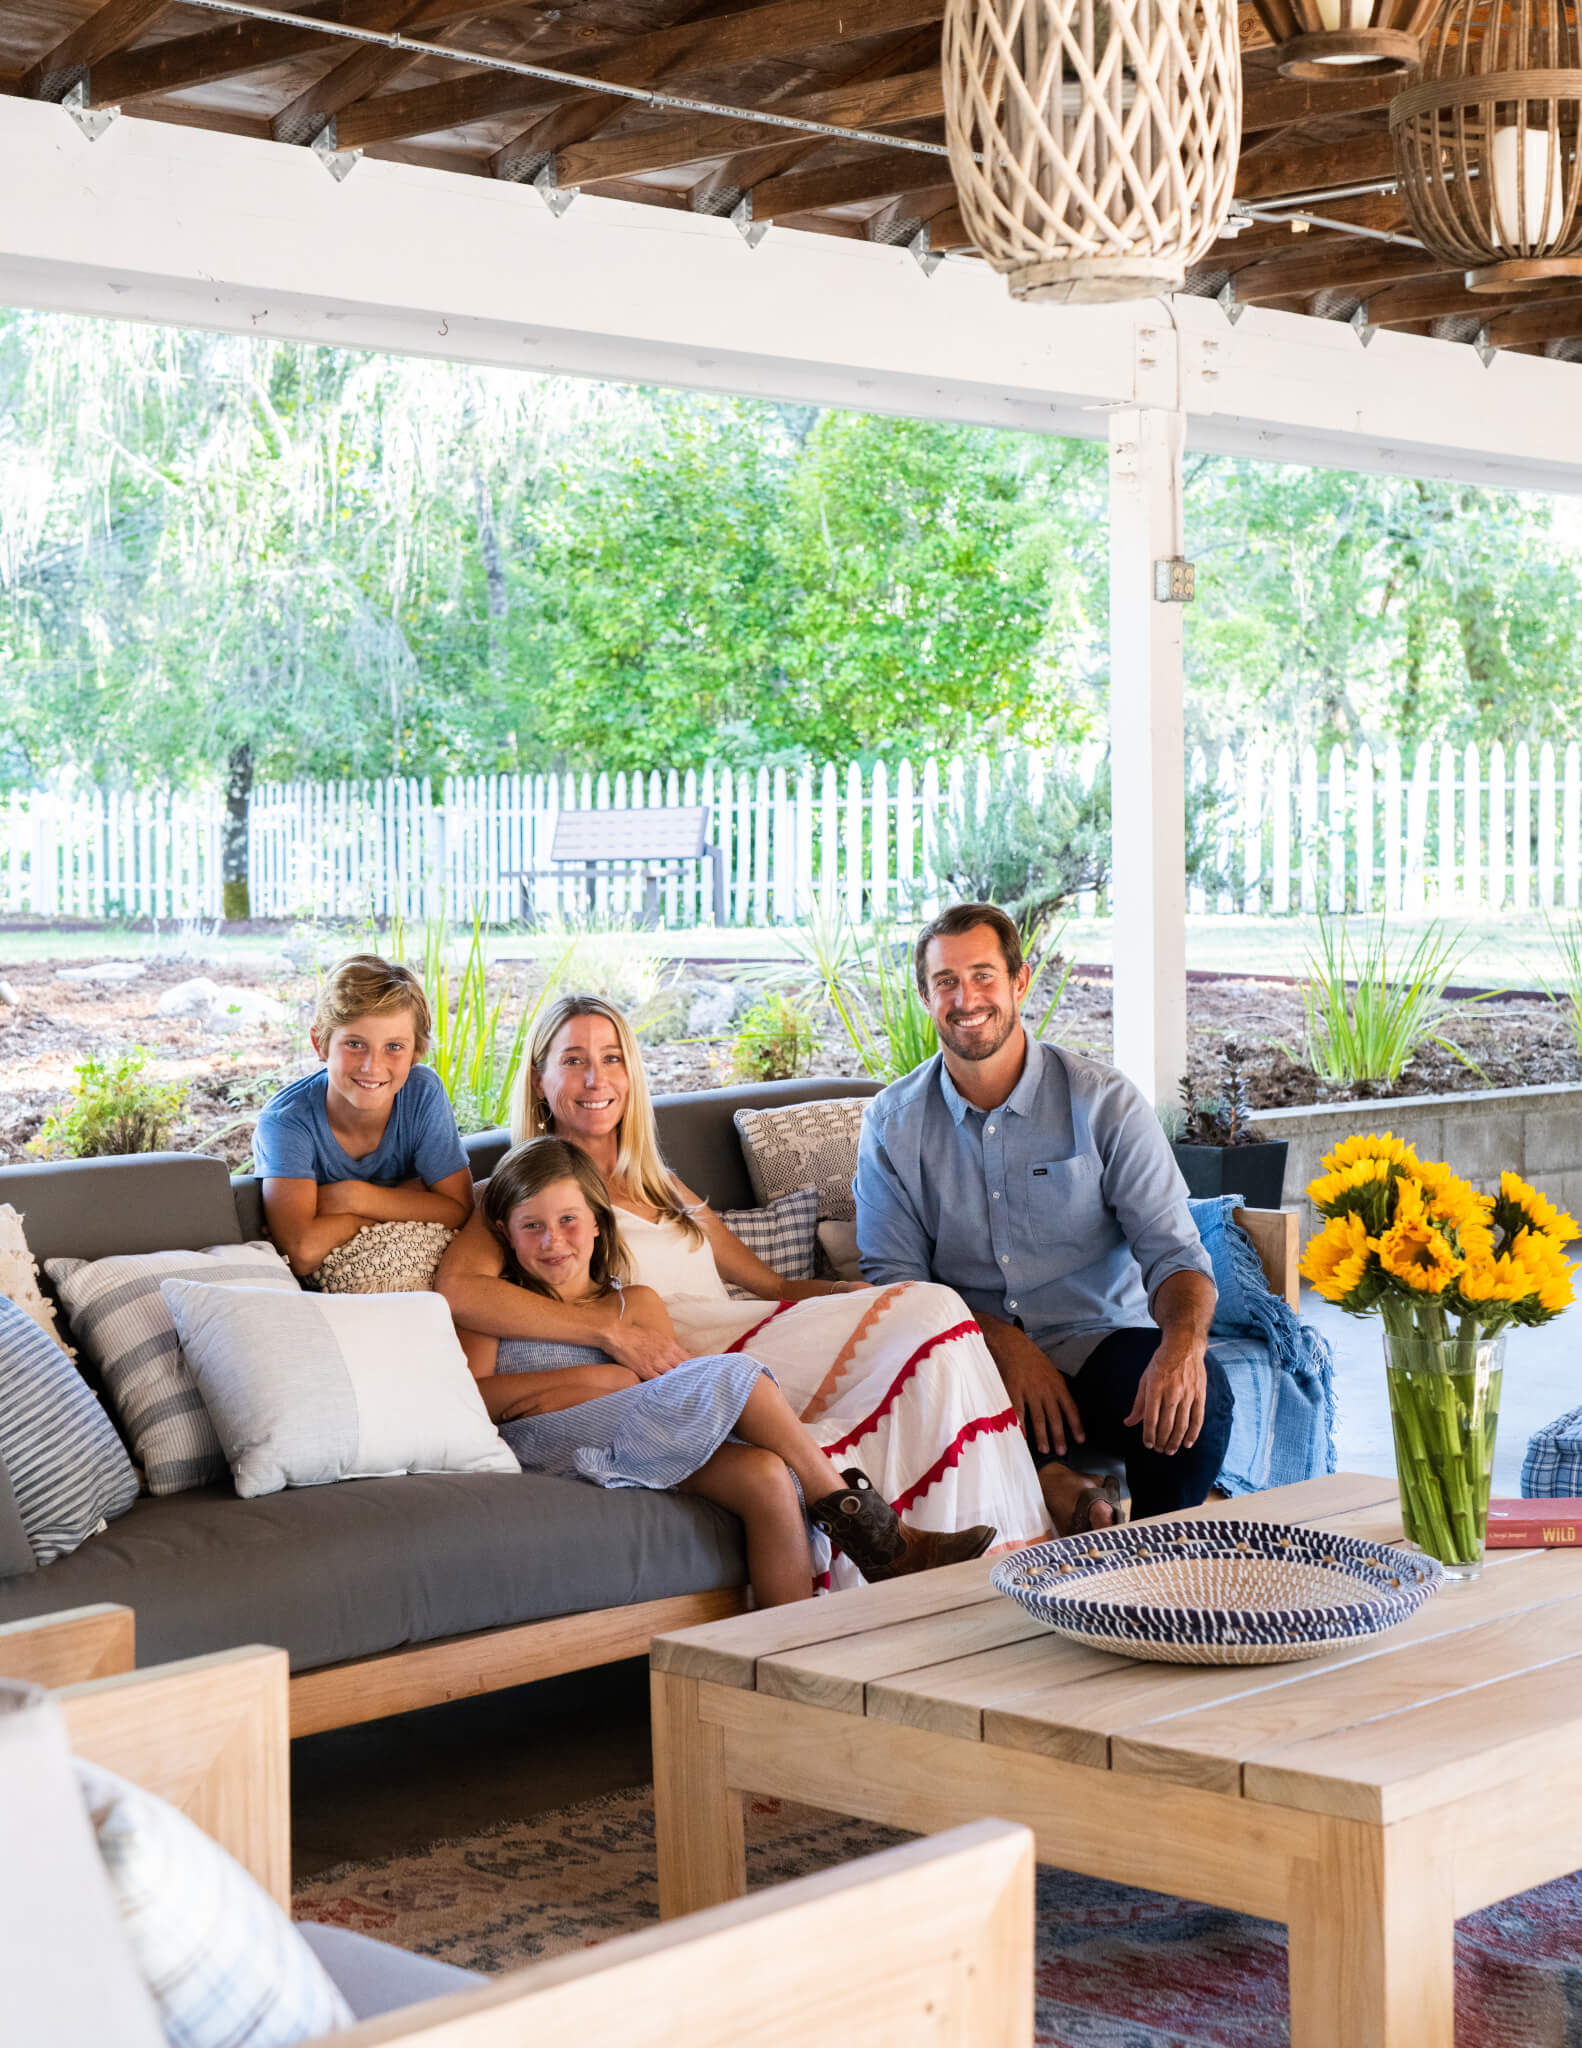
950	1698
727	1652
1143	1700
1432	1755
836	1675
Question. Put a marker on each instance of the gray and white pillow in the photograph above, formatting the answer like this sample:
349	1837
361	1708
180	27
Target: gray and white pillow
119	1318
782	1234
307	1389
63	1470
806	1141
224	1964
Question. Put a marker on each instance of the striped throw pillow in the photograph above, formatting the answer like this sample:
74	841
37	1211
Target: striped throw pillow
782	1234
225	1966
62	1468
119	1318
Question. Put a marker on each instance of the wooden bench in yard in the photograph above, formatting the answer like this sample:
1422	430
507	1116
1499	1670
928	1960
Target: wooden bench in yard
599	843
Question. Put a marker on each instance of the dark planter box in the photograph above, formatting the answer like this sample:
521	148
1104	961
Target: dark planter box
1255	1172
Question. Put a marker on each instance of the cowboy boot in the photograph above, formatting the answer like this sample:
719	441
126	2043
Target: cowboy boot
862	1523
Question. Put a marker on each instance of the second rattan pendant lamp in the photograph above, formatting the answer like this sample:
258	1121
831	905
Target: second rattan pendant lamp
1329	41
1093	145
1486	144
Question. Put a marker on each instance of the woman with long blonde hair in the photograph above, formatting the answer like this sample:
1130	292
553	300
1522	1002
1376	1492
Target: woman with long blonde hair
897	1378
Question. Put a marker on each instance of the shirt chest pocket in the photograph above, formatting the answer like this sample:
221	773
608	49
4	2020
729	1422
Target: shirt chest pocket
1065	1209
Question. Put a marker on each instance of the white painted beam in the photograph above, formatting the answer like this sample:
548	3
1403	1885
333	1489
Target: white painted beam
1147	757
163	223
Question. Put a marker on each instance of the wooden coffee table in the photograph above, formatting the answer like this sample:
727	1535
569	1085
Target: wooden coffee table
1367	1798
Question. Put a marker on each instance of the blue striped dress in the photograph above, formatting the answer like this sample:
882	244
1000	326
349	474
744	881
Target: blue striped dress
655	1434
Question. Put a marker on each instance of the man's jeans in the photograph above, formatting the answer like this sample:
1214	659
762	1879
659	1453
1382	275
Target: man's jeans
1105	1389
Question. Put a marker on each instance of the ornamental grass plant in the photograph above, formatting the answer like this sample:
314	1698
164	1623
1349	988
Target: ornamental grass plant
1448	1271
1368	1008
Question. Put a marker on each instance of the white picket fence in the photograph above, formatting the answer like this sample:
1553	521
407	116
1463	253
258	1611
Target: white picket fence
1455	830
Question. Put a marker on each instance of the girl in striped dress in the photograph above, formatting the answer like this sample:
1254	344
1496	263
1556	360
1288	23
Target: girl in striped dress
717	1426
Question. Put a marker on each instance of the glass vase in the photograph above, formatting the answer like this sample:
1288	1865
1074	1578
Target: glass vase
1444	1408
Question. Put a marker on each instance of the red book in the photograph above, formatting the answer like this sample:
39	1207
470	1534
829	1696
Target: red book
1534	1524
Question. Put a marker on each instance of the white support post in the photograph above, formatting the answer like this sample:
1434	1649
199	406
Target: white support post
1148	752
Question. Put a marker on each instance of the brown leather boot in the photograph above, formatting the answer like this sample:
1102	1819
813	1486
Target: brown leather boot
863	1524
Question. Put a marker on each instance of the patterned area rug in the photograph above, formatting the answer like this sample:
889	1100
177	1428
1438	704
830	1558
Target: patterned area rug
1116	1968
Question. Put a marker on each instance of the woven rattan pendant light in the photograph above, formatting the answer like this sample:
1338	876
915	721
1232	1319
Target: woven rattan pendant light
1486	144
1093	145
1330	40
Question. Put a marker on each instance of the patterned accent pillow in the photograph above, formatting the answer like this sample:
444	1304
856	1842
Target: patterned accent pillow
809	1141
384	1258
62	1468
19	1276
306	1389
118	1316
782	1235
225	1966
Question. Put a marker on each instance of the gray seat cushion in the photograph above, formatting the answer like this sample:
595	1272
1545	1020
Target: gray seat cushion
375	1978
334	1572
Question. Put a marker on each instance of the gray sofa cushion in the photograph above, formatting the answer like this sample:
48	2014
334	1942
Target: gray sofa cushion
96	1208
331	1572
375	1978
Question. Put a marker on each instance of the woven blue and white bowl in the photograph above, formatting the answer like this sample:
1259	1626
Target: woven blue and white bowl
1217	1592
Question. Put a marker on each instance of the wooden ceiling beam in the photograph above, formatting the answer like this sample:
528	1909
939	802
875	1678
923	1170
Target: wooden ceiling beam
884	102
883	175
781	29
114	26
1316	168
1352	268
1444	298
188	61
948	230
1532	326
1287	102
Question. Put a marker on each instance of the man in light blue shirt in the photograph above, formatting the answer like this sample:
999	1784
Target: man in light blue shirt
1040	1186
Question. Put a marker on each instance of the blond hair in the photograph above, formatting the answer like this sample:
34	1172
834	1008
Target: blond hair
366	986
639	1166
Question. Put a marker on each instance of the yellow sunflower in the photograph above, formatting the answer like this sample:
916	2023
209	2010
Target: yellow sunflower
1518	1205
1416	1253
1370	1146
1453	1201
1551	1271
1336	1260
1485	1278
1354	1181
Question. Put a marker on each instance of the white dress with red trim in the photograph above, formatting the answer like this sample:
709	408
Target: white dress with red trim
897	1380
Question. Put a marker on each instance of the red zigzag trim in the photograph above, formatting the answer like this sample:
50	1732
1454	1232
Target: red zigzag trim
872	1421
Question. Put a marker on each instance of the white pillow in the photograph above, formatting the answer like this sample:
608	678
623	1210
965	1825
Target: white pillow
305	1389
224	1965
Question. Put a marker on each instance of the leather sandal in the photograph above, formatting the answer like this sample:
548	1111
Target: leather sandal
1108	1489
861	1522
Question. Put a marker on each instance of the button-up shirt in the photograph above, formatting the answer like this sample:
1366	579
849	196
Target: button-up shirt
1062	1210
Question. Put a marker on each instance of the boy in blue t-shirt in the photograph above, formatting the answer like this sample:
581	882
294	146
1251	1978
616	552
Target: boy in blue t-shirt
370	1138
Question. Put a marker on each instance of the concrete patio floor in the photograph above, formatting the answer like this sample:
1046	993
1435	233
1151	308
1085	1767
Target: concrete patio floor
1543	1379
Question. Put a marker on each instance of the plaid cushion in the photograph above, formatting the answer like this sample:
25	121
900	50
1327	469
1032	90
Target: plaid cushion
120	1319
226	1967
782	1234
61	1463
1552	1468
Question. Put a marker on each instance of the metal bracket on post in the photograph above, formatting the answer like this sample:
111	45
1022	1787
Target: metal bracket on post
91	120
751	231
340	163
928	259
1487	350
1364	327
1225	298
547	185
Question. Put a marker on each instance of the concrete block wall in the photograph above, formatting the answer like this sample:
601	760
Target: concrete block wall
1536	1132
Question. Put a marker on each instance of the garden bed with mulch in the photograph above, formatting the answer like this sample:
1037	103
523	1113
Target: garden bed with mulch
57	1022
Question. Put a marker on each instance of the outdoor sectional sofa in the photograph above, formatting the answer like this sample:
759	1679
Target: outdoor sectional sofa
392	1594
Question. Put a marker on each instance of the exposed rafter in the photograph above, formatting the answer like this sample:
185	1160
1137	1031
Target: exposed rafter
1317	167
116	25
1532	326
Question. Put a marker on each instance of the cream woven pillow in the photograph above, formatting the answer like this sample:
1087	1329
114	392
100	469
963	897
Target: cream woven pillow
807	1142
19	1277
384	1258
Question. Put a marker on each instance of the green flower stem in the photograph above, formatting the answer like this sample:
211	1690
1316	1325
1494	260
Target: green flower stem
1444	1408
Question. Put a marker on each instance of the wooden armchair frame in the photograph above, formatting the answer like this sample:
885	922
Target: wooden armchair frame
930	1941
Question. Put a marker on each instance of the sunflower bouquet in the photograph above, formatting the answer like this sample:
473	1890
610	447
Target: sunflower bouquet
1447	1271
